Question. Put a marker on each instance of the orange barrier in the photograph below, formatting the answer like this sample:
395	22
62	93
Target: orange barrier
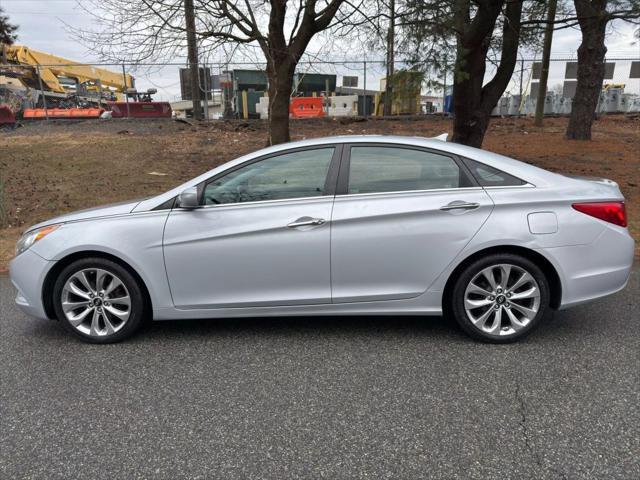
39	113
7	117
307	107
140	109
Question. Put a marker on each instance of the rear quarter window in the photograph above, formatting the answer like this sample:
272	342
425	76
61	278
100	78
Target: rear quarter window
488	176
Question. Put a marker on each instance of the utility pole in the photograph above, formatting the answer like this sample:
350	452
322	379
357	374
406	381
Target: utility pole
444	90
546	53
192	54
391	35
364	91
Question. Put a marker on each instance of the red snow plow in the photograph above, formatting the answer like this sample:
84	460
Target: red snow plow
81	113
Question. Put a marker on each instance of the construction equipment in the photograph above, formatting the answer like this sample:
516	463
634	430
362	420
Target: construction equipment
7	117
78	113
34	82
59	77
140	109
609	86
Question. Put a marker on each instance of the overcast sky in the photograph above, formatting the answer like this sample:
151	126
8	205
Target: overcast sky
41	27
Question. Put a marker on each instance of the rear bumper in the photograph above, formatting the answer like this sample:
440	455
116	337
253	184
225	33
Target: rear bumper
595	270
27	272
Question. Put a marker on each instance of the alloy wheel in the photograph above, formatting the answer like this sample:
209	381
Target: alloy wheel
96	302
502	299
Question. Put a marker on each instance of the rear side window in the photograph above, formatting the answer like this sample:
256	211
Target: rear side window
393	169
491	177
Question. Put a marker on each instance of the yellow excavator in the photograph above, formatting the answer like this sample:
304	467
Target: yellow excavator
40	85
59	77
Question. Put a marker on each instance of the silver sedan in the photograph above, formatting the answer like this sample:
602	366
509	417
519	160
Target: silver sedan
366	225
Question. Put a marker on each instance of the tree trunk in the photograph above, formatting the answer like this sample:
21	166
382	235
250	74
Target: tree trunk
593	24
546	54
391	37
282	57
473	102
470	121
280	77
192	54
470	130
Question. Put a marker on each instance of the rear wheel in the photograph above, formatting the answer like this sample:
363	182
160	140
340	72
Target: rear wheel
500	298
98	300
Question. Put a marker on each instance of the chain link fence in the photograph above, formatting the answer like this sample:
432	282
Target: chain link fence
348	87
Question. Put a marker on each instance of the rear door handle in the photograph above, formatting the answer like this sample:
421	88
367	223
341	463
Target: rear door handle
306	221
460	205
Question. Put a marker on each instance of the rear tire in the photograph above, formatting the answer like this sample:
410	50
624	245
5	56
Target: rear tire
500	298
98	300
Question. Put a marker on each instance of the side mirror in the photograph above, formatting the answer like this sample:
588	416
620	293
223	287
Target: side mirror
189	198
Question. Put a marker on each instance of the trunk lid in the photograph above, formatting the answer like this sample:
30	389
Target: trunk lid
598	188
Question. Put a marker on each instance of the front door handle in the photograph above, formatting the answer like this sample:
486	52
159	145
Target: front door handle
306	221
460	205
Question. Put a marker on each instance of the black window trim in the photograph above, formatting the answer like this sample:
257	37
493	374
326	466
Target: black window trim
329	185
467	159
166	205
345	165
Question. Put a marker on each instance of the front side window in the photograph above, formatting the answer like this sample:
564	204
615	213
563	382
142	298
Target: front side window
291	175
394	169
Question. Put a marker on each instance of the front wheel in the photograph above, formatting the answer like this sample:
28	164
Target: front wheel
98	300
500	298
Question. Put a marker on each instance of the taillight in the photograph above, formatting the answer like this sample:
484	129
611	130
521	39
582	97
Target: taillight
612	212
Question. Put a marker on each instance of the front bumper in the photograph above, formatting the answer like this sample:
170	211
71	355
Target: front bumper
27	272
596	270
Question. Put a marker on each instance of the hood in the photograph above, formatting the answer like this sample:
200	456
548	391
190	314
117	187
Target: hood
120	208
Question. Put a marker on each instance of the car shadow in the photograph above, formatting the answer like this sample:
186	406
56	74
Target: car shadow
317	325
435	328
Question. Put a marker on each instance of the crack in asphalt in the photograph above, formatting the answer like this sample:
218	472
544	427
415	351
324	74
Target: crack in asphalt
523	428
528	442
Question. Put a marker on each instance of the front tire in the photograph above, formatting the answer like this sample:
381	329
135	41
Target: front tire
98	300
500	298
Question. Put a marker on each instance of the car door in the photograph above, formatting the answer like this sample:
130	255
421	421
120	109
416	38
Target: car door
261	236
400	216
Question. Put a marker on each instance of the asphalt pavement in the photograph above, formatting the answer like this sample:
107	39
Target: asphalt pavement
337	398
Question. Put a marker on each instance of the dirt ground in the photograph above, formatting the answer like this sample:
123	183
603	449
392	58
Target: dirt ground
49	169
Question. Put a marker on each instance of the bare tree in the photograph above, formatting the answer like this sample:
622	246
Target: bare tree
282	47
281	29
382	24
7	29
593	17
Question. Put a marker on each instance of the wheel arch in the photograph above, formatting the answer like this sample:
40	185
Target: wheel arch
52	275
540	260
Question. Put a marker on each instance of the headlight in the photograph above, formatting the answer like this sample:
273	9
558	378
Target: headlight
33	236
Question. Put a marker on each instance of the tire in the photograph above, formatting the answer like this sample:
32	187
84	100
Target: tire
98	300
505	311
